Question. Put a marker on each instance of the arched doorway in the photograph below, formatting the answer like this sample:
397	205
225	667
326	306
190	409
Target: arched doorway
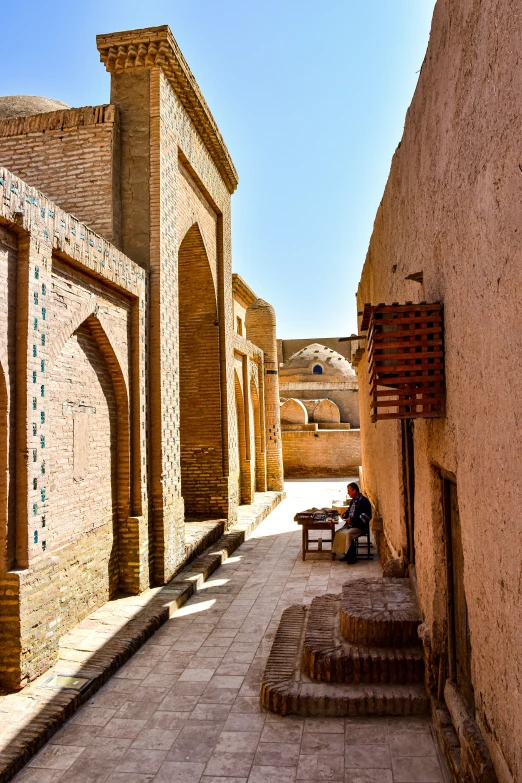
86	470
203	487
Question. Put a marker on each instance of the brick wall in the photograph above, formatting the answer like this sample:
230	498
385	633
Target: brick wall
118	361
202	485
82	476
260	324
80	528
8	277
72	156
321	454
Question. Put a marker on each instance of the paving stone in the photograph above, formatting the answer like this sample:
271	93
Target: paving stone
226	734
278	754
56	757
420	769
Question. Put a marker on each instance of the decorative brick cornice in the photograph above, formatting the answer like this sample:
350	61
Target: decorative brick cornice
156	46
242	290
58	120
25	209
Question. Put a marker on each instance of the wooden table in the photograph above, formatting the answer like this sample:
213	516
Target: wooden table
307	525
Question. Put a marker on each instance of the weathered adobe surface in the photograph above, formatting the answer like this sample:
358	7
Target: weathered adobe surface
451	209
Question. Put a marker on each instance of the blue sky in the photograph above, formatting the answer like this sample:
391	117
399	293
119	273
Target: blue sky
310	98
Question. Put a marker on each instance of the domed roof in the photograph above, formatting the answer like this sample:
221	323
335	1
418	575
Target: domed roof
25	105
302	362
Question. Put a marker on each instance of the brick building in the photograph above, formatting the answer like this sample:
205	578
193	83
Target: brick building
128	402
319	409
446	479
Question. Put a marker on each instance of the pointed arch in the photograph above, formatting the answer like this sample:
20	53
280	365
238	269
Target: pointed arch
88	309
203	485
87	469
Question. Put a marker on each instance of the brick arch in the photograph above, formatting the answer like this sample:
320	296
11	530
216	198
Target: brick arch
68	328
203	485
90	308
88	471
245	482
259	440
188	224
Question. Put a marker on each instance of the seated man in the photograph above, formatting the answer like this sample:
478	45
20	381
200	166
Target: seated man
358	515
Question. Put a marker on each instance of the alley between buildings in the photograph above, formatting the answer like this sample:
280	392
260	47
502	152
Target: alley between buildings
186	707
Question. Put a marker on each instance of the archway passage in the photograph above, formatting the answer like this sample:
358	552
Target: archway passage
85	469
203	485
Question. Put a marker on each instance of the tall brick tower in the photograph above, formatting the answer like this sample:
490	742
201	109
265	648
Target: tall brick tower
177	177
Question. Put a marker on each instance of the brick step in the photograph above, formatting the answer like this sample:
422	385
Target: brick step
379	612
287	691
327	657
318	699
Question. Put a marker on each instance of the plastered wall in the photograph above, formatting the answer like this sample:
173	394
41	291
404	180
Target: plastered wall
451	210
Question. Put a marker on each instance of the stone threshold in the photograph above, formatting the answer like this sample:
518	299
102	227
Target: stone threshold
96	648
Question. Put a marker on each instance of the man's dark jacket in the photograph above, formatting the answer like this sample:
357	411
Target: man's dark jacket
361	515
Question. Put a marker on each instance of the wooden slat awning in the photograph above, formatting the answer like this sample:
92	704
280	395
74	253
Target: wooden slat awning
405	360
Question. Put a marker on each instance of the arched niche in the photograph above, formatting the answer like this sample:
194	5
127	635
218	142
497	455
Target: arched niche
201	439
85	468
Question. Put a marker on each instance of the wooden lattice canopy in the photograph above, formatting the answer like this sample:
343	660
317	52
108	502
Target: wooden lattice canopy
406	360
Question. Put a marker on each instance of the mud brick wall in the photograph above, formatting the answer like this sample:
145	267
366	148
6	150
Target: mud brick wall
260	322
204	198
73	157
8	277
321	454
181	188
203	486
451	210
79	528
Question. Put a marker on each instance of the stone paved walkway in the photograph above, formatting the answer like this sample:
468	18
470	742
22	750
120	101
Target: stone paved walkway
185	708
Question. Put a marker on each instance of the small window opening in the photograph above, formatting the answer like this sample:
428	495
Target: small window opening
239	323
318	370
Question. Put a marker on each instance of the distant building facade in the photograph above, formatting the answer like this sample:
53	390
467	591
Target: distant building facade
319	410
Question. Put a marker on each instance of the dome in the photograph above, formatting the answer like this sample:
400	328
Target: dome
330	362
25	105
